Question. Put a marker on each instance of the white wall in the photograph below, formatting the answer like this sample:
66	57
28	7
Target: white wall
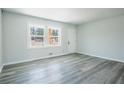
103	38
0	41
15	38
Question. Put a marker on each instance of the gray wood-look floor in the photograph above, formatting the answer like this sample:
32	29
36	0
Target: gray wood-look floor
67	69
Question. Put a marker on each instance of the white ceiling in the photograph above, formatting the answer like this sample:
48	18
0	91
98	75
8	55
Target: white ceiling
69	15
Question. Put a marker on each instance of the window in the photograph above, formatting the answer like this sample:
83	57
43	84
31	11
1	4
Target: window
54	36
37	36
43	36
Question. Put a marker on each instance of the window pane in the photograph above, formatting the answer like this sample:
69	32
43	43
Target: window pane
37	41
55	32
40	31
32	31
32	38
54	36
54	40
36	31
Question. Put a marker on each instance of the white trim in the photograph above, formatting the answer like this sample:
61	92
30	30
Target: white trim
29	42
59	34
1	67
45	36
102	57
29	60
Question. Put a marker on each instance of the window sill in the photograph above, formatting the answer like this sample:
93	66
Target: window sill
44	47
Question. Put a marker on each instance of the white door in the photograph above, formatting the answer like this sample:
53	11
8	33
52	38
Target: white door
71	39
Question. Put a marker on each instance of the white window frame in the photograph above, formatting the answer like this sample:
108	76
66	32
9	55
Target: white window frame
45	39
59	29
29	31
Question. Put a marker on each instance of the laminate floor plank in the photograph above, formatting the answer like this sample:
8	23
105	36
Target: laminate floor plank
67	69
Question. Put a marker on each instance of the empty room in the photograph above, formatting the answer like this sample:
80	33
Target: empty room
61	46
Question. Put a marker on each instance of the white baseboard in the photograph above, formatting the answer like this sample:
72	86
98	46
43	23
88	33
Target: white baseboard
29	60
33	59
102	57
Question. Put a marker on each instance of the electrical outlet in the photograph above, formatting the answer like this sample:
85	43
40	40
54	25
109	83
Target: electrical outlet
63	50
50	53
